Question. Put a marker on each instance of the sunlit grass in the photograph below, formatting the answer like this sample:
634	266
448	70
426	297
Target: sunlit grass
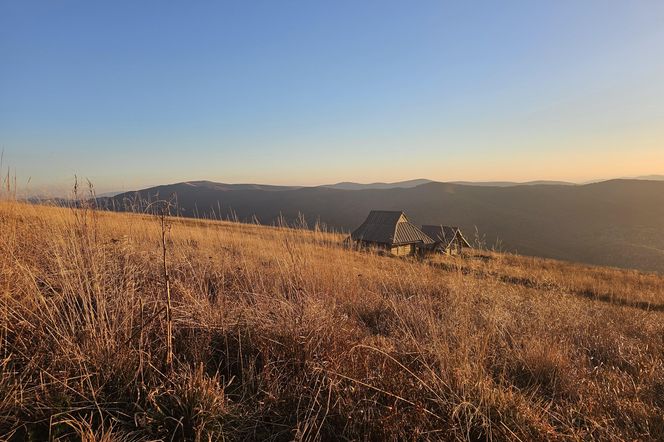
284	334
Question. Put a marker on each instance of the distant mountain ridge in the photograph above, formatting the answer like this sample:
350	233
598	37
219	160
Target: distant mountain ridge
229	187
350	185
616	223
347	185
514	183
650	177
418	182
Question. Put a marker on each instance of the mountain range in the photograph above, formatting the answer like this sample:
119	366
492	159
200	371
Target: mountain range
614	223
414	183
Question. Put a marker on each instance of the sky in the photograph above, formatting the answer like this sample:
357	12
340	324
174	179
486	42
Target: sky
136	93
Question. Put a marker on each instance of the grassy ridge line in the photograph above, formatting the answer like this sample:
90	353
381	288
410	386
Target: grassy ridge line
283	334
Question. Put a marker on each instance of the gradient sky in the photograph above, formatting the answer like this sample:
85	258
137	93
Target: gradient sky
135	93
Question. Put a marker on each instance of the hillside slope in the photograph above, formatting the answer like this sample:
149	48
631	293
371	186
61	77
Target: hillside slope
615	223
283	334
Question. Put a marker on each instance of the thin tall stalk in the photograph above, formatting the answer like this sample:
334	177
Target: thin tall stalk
169	315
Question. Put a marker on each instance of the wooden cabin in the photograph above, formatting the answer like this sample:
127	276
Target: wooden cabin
391	231
448	239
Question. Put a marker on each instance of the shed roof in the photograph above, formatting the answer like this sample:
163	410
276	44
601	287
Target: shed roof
444	234
389	227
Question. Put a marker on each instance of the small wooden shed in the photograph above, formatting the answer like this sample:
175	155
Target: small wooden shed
448	239
391	231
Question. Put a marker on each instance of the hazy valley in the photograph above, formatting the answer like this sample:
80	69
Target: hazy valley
613	223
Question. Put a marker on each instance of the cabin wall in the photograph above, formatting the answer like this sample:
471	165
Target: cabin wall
373	245
449	250
456	247
404	250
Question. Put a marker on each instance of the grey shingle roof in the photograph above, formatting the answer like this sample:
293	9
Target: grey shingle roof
445	234
389	227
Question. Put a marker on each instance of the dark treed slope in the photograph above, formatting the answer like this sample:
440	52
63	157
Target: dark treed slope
616	223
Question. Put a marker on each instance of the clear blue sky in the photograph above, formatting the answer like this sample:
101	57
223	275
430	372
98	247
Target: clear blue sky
132	93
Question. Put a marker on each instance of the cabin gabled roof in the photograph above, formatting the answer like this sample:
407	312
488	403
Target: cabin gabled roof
389	227
445	235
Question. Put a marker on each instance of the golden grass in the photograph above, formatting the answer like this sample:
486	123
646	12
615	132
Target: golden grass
283	334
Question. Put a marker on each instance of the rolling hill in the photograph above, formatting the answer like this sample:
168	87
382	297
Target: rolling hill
613	223
284	334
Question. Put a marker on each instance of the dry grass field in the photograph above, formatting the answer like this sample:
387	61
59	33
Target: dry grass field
282	334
